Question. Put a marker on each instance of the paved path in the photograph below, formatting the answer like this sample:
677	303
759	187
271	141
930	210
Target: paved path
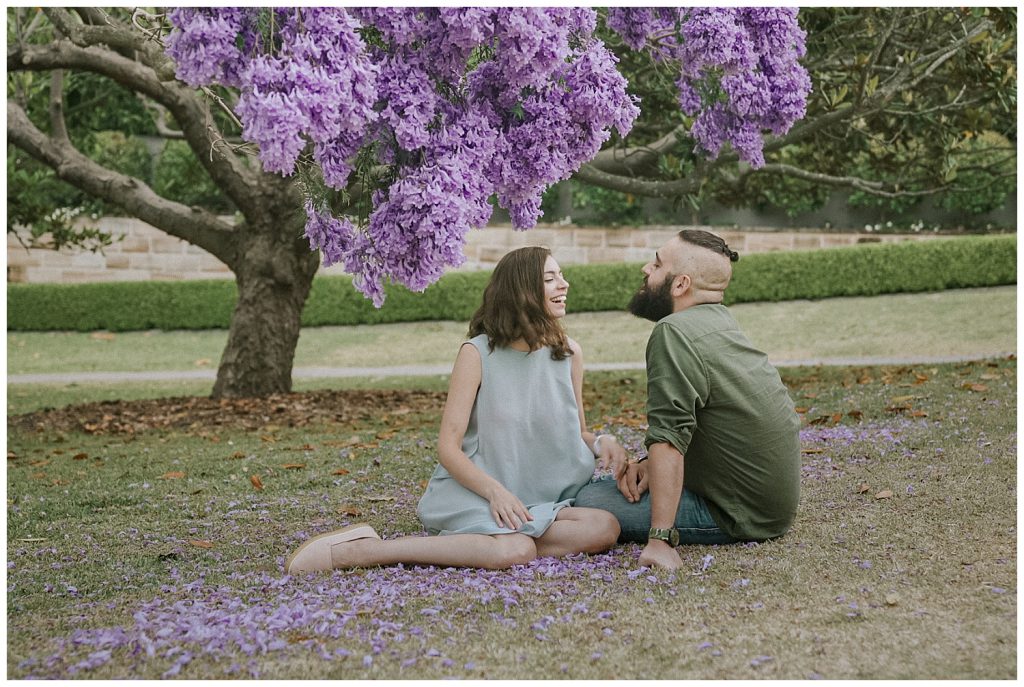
430	370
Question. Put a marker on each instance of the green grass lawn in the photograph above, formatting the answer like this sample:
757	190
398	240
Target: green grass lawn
154	554
961	322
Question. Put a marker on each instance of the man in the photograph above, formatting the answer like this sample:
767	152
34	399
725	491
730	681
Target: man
718	416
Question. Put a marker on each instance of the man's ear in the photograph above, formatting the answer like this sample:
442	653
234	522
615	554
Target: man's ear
681	284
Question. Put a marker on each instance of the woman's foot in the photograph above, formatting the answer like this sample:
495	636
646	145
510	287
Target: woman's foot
326	551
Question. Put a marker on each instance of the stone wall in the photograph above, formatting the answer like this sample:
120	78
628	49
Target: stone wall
145	253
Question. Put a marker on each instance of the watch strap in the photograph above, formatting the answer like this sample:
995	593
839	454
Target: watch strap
668	535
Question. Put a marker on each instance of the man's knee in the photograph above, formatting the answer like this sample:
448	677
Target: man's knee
600	494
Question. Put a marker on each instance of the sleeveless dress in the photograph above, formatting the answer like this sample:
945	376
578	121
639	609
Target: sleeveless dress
524	431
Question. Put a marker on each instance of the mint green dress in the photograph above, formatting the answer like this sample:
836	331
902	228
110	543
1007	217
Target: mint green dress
524	431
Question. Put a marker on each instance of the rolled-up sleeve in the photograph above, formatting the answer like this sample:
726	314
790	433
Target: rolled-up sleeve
677	387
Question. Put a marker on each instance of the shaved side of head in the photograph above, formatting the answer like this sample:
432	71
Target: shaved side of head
707	260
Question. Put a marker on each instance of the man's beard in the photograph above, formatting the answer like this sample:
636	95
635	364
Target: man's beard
653	304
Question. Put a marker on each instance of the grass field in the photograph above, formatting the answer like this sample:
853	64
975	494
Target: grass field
950	323
159	553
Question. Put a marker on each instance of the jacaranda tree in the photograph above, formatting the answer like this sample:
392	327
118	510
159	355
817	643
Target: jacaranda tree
908	104
378	137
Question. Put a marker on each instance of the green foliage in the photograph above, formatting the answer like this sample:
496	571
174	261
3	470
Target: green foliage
34	217
121	306
985	164
606	206
41	208
854	271
179	176
873	269
917	144
125	154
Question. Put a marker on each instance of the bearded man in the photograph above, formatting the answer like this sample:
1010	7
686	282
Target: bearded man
718	414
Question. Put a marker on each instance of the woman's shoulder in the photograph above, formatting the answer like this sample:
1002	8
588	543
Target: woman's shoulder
480	342
574	346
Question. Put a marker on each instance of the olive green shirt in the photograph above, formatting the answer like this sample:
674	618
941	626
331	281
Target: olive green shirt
720	403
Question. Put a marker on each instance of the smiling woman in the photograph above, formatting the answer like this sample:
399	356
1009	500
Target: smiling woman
513	448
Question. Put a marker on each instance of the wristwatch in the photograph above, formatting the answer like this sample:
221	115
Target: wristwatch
669	536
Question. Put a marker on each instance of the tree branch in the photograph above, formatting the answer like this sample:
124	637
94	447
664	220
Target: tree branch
115	35
24	34
195	225
875	188
58	126
904	79
590	174
876	54
633	159
191	112
92	15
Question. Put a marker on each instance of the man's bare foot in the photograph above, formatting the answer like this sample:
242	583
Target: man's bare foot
659	554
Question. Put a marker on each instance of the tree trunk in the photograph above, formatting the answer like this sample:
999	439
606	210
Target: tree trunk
274	276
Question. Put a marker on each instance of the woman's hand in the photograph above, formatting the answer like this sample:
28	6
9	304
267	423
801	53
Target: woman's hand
612	455
507	510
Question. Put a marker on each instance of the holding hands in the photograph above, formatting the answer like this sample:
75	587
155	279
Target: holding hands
633	482
631	477
610	454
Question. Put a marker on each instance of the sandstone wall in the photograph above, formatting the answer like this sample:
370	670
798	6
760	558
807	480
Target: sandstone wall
145	253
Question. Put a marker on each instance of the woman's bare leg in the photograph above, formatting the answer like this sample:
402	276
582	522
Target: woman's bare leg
456	550
579	530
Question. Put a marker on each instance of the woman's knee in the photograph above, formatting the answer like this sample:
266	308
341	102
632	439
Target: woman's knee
512	549
602	529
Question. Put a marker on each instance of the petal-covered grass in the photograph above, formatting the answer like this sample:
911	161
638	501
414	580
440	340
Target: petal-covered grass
160	554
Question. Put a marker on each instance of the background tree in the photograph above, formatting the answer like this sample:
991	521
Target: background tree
381	134
265	249
907	103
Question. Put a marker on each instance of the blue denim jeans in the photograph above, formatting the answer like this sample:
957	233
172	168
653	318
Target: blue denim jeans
694	522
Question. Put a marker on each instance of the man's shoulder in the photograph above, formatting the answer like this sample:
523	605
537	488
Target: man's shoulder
699	320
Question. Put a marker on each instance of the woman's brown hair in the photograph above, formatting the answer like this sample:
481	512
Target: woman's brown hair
514	307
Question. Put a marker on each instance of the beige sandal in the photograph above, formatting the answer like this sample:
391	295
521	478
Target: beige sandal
315	554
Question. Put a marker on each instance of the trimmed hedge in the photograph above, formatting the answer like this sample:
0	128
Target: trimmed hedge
865	270
121	306
873	269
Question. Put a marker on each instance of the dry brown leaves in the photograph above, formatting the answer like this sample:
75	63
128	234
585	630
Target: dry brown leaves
197	414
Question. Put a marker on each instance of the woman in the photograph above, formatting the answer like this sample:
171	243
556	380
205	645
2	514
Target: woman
513	447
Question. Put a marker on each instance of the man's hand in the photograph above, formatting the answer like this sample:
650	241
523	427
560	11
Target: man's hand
633	482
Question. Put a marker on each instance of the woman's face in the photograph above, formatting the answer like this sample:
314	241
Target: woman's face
555	288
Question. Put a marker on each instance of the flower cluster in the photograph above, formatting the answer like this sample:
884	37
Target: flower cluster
562	126
739	73
315	84
204	46
462	104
